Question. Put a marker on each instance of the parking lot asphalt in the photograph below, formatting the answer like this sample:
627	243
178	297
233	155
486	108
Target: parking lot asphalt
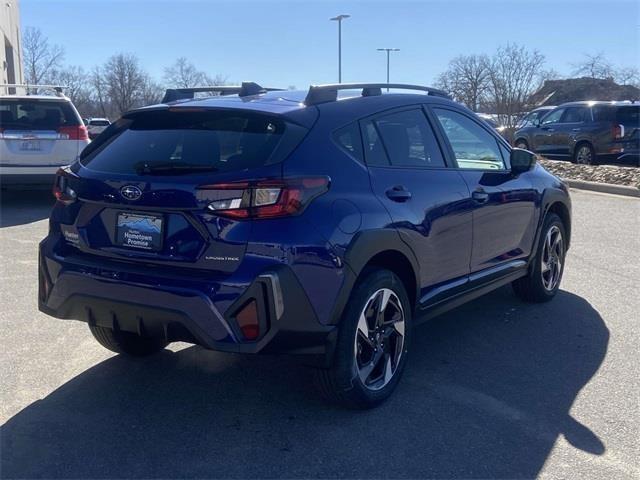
495	389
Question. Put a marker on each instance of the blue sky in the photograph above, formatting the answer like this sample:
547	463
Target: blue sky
282	43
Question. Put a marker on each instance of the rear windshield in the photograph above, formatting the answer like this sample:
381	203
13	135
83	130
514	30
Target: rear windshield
171	142
26	114
99	123
629	115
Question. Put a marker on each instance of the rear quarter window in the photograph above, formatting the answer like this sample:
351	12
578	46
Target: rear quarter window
27	114
218	140
348	138
629	115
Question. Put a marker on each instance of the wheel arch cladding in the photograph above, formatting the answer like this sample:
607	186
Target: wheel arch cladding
398	263
383	249
560	209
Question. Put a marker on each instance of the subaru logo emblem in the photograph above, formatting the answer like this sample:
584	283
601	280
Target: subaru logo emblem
131	192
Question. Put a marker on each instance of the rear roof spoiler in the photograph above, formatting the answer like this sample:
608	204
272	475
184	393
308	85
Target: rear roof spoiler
58	89
244	90
329	93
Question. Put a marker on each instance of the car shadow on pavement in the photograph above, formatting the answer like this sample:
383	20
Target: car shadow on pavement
19	207
487	393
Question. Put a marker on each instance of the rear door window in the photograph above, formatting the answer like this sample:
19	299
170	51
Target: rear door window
409	140
401	139
629	115
179	142
575	115
27	114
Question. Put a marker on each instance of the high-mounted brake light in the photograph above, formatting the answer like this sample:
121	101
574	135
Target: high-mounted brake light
262	199
61	189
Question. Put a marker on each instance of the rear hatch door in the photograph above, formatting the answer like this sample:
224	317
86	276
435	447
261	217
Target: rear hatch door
144	187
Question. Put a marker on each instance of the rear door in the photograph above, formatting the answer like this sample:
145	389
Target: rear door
39	132
427	200
504	205
570	127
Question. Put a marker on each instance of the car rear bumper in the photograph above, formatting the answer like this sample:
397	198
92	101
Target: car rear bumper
201	313
20	175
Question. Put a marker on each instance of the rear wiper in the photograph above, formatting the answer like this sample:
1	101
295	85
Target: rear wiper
144	168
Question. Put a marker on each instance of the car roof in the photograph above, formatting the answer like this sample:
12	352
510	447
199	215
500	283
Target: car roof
290	103
52	98
590	103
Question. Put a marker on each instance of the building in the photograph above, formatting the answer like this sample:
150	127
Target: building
10	51
556	92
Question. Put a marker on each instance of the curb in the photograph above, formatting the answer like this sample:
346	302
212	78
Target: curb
603	187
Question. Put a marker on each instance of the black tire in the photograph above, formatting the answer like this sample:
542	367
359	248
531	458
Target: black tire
521	143
581	158
532	287
126	343
341	382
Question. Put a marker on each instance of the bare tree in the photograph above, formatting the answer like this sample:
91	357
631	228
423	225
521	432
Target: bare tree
183	74
77	87
467	79
99	91
125	82
627	76
41	59
513	78
594	66
151	92
217	79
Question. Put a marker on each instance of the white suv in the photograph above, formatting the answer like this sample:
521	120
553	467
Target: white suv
38	135
96	126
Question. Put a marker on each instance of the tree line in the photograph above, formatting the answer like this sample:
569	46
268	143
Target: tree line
107	90
502	83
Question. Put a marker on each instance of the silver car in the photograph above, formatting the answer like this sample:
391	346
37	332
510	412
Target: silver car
38	135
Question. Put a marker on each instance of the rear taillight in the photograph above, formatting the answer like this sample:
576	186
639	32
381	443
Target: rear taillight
76	132
617	131
61	189
262	199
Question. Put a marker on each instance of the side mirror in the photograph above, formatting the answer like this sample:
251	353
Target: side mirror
521	160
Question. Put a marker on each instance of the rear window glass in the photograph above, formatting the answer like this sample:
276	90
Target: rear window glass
19	114
629	115
171	143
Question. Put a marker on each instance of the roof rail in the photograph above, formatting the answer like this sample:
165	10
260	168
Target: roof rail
244	90
58	89
329	93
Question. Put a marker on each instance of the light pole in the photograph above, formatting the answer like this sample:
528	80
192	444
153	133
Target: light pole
388	50
339	19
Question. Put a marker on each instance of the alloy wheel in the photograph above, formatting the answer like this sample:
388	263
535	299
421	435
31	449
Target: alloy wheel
379	340
584	155
552	258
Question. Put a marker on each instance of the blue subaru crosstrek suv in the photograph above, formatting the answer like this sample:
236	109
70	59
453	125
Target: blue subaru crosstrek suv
323	225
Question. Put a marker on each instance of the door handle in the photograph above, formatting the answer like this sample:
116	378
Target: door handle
480	196
399	193
576	129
